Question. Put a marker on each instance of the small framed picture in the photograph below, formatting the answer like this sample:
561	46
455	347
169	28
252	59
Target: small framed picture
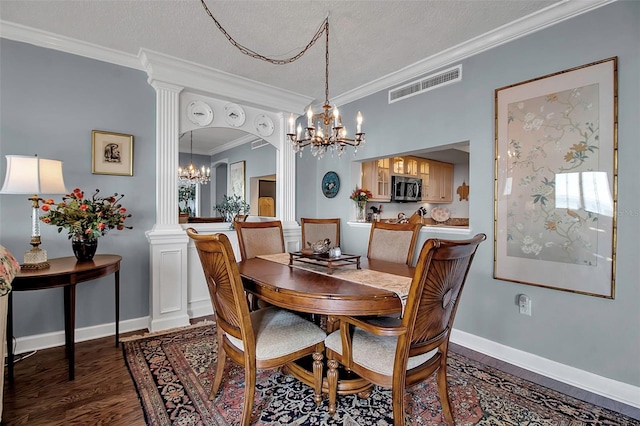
111	153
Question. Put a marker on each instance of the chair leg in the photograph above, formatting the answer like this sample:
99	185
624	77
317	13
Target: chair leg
397	395
317	376
441	379
332	383
221	359
249	393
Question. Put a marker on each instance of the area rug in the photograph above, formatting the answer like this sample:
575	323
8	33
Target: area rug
173	379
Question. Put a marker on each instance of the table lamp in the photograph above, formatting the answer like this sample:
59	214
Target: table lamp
33	175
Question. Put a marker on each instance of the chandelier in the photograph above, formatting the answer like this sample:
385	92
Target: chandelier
191	174
324	131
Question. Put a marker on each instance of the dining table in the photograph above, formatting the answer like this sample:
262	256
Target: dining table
327	295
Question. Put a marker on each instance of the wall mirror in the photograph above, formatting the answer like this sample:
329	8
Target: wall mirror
222	150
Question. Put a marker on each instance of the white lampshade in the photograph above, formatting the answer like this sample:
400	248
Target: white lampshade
33	175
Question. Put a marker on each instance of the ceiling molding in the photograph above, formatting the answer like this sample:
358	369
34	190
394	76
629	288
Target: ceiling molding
234	143
199	78
17	32
527	25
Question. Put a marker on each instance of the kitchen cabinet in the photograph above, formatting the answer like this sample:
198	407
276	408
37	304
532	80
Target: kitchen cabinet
437	182
376	177
405	166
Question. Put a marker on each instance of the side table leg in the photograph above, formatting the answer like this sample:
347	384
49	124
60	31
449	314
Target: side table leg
117	275
69	326
10	356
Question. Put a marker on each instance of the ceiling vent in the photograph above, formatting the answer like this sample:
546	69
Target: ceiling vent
452	75
259	143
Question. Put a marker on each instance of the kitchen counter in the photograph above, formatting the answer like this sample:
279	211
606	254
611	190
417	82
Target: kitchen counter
427	228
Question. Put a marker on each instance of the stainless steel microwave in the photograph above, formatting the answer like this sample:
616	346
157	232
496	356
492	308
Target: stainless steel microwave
406	189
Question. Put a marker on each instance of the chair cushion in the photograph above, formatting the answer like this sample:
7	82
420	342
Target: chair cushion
375	353
392	246
279	332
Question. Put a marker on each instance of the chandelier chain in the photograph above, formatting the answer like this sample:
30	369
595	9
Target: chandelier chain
324	27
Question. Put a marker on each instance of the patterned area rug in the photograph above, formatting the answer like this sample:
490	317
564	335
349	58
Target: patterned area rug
172	375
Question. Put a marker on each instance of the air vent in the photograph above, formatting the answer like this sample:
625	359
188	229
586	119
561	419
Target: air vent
259	144
452	75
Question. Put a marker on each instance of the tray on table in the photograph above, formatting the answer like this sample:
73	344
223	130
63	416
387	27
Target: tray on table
325	260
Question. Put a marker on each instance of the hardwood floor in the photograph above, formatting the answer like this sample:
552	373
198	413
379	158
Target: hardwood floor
103	392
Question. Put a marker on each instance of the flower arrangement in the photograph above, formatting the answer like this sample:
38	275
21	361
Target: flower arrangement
361	194
232	206
92	217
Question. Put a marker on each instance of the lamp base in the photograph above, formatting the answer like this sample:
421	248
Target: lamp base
35	259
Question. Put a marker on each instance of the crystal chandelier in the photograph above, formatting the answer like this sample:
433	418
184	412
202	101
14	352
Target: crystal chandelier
191	174
324	131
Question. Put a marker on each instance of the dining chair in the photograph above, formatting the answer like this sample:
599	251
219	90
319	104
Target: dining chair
257	238
319	229
393	242
264	339
397	353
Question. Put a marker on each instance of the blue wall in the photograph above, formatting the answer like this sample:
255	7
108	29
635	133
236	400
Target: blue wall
50	103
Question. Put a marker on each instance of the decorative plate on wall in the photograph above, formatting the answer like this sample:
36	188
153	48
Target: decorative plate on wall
330	184
234	114
199	113
264	125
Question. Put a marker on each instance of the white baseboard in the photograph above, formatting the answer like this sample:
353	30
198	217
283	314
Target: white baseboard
612	389
56	338
201	308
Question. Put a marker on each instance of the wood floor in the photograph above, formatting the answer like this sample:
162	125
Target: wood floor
103	392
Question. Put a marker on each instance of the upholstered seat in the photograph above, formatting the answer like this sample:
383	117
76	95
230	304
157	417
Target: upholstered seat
319	229
264	339
396	353
393	242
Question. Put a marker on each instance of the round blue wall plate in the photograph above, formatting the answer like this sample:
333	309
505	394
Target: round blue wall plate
330	184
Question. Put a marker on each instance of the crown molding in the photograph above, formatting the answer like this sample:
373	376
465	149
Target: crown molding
17	32
232	87
524	26
236	142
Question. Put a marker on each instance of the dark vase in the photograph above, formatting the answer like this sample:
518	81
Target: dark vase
84	248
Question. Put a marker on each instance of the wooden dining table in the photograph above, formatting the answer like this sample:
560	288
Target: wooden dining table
326	296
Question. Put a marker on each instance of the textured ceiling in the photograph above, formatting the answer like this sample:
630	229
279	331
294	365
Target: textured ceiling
368	39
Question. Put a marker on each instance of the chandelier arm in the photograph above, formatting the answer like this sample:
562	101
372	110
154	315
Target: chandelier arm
323	27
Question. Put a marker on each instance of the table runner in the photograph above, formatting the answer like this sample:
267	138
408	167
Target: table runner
396	283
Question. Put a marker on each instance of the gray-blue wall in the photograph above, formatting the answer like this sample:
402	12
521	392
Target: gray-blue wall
50	102
589	333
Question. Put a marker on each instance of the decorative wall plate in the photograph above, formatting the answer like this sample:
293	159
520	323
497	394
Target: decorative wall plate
264	125
440	214
234	114
330	184
199	113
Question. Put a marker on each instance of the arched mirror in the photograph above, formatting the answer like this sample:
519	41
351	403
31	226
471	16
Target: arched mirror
235	159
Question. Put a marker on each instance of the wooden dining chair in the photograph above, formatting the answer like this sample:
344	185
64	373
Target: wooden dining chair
257	238
397	353
319	229
264	339
393	242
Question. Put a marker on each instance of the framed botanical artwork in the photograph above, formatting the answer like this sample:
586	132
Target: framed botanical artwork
236	179
111	153
556	180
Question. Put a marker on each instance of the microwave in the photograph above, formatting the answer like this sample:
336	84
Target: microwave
406	189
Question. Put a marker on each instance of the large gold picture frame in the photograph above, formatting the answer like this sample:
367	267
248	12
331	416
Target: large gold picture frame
111	153
556	180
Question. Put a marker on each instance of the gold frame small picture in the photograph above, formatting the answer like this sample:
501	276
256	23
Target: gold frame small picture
111	153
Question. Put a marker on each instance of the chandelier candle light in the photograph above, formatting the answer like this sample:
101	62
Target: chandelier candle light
328	133
191	174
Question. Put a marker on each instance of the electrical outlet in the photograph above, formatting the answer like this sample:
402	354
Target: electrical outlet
524	303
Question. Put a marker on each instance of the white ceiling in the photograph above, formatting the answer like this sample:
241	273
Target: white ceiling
368	39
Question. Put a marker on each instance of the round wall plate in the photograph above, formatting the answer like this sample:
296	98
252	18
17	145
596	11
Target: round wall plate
330	184
234	115
264	125
199	113
440	214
